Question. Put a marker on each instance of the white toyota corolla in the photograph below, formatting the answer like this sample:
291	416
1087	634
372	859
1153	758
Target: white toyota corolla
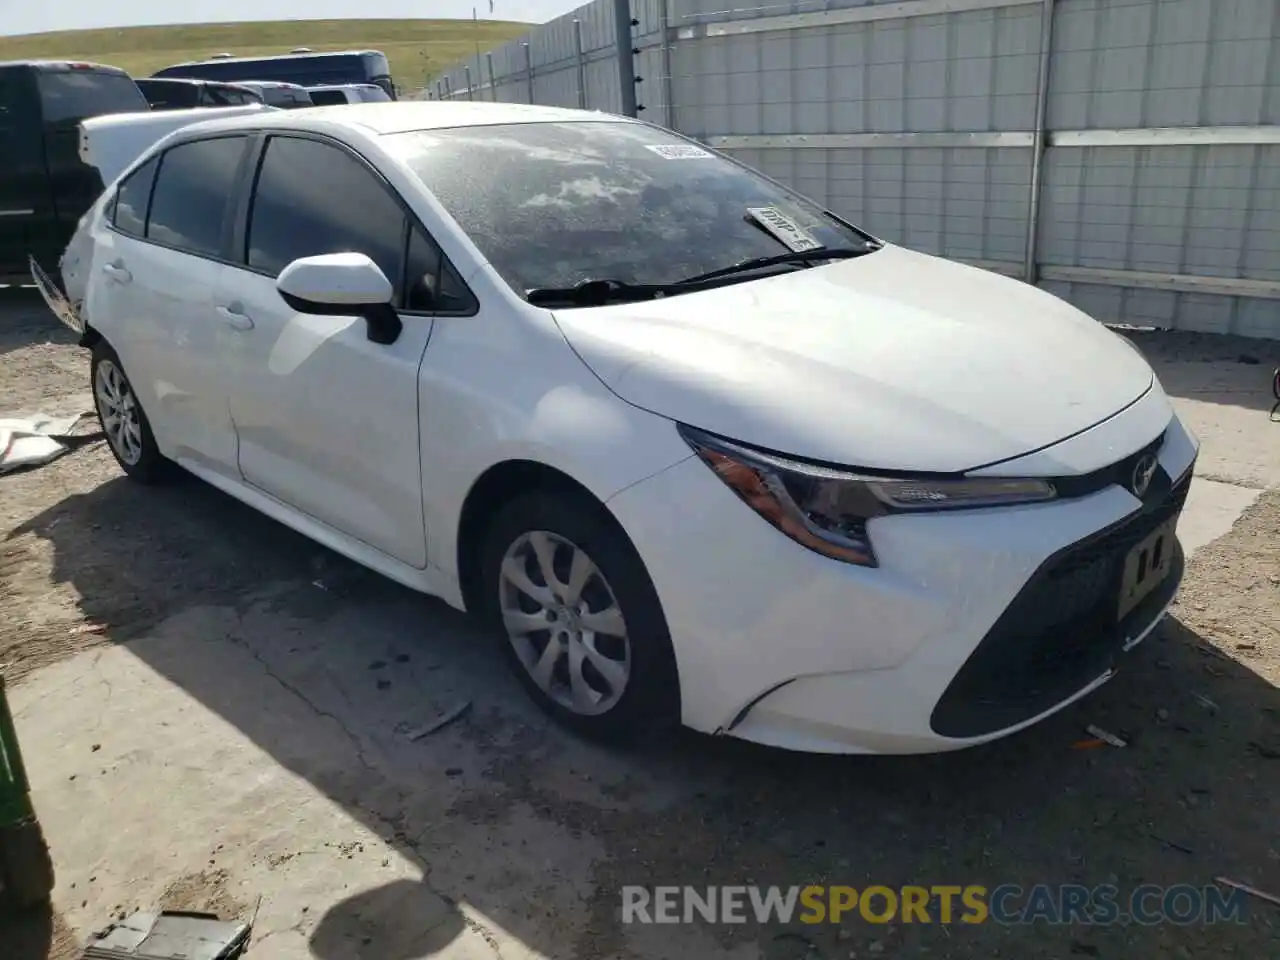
700	449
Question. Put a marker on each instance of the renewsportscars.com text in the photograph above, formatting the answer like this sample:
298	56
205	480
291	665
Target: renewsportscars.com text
1006	904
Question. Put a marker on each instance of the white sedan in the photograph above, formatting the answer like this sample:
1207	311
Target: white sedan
700	450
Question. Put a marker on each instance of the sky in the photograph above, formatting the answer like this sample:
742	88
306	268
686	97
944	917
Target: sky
23	16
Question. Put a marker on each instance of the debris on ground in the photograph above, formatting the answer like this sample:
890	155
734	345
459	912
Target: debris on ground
443	721
1104	736
1252	891
34	441
170	936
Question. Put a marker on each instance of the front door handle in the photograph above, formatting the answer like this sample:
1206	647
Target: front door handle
241	321
117	272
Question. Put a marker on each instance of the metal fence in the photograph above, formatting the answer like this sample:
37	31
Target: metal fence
1124	154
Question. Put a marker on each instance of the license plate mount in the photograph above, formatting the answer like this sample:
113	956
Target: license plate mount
1146	566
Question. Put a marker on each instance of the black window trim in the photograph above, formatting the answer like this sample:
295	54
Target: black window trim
236	187
248	192
114	203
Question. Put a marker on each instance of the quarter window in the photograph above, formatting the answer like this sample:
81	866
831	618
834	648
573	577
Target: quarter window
195	183
431	284
132	199
313	198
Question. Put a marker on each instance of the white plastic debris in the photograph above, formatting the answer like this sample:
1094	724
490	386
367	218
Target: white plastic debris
33	441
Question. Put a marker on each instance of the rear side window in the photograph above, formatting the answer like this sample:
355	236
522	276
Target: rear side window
67	95
189	202
133	198
314	198
327	98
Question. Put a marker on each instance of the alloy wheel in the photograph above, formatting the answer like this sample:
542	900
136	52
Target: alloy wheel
564	623
118	409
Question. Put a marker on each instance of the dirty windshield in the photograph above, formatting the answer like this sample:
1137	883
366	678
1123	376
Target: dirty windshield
554	204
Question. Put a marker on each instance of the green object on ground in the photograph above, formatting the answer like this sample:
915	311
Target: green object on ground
26	870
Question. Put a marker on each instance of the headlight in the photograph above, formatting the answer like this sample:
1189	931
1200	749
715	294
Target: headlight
827	510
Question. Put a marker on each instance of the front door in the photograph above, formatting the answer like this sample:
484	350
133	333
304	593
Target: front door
327	420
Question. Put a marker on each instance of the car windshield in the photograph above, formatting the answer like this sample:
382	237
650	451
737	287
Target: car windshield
551	205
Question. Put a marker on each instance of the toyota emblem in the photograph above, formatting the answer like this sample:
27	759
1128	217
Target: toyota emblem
1143	471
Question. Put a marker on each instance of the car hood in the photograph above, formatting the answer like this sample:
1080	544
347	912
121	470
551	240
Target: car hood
893	361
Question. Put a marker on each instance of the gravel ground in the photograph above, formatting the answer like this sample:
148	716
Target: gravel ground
87	559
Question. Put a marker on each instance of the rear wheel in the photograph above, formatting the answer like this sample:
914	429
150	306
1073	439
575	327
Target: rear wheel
583	628
124	423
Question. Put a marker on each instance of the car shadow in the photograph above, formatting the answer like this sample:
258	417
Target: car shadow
1212	368
535	832
35	934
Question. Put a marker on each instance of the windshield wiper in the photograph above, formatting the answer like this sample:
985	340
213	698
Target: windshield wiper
598	291
795	256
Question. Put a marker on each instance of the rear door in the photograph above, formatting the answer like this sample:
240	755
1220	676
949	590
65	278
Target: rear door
160	272
69	93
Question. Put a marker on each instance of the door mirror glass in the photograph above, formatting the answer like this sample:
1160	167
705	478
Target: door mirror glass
343	285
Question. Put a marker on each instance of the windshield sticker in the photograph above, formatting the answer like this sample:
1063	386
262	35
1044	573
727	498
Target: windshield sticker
796	237
679	151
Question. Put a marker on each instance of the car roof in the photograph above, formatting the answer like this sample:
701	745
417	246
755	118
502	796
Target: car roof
279	56
63	65
404	116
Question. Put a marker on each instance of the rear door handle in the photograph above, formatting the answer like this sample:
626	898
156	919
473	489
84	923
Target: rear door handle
116	272
241	321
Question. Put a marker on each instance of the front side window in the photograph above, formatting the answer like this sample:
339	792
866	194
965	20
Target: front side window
314	198
195	183
554	204
133	198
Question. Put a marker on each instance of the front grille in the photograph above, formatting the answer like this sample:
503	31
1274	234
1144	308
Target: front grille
1060	633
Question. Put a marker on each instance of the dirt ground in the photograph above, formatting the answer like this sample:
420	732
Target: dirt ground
89	562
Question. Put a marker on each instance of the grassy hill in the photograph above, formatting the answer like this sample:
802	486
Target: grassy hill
417	48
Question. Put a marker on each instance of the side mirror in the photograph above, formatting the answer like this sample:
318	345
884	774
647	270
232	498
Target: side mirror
342	285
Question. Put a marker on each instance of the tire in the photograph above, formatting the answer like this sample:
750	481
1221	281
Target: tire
631	682
124	423
26	869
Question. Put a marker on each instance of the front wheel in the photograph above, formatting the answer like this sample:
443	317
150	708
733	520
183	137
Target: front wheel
582	624
124	423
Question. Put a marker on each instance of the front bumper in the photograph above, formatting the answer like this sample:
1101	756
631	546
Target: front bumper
976	624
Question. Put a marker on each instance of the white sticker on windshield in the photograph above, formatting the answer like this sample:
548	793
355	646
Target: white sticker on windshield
796	237
679	151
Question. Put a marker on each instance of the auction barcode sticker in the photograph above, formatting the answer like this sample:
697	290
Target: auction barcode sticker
784	228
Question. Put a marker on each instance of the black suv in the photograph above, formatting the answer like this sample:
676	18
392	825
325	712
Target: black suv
177	94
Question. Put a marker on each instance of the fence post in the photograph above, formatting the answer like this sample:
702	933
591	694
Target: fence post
471	87
626	58
582	66
528	68
1029	267
493	85
668	82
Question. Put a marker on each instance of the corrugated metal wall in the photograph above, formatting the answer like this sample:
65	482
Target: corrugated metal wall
1158	191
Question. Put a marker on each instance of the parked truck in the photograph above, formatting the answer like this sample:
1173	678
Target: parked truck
44	186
